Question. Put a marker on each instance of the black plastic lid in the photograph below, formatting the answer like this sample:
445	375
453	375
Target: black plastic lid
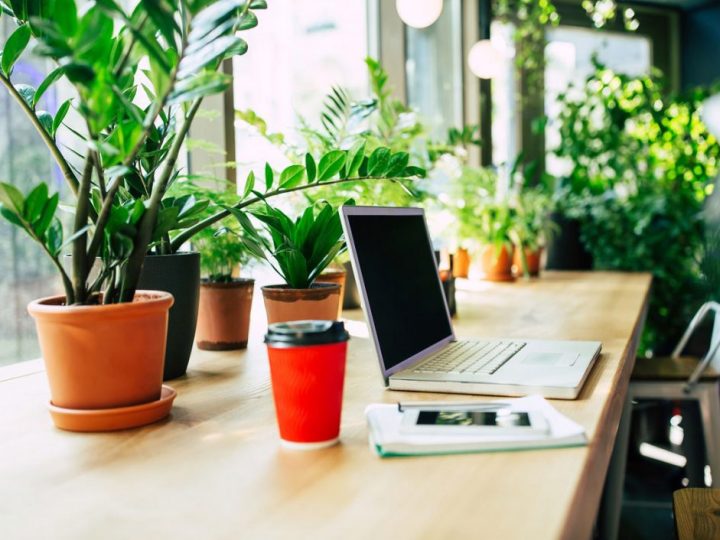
301	333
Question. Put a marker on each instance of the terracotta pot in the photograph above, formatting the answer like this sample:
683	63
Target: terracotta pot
532	257
461	263
283	304
496	266
224	315
103	356
337	277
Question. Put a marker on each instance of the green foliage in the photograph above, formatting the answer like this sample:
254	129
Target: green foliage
221	250
642	165
298	250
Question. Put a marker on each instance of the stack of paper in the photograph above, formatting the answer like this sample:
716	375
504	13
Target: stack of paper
388	439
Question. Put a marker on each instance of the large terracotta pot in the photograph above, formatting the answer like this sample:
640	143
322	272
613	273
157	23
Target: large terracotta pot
103	356
337	277
532	258
496	266
224	316
461	263
283	304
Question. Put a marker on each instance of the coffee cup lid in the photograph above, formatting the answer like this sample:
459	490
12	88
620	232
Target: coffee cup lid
300	333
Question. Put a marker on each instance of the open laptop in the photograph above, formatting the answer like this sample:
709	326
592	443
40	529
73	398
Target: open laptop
394	264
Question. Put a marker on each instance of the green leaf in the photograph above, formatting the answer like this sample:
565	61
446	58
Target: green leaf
35	203
249	185
46	120
268	177
354	159
27	92
11	216
247	21
14	47
65	15
258	4
48	213
207	55
163	19
291	176
201	85
378	162
330	164
11	198
414	171
60	116
311	167
397	164
54	237
49	80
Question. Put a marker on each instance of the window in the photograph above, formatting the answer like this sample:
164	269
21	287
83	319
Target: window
25	274
433	70
298	52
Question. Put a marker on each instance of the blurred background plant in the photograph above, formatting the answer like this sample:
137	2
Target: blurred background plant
641	166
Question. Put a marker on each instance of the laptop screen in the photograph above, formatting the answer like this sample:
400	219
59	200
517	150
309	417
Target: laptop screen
401	283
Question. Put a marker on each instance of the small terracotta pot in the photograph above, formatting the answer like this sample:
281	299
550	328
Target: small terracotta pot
337	277
496	266
532	257
103	356
461	263
283	304
224	315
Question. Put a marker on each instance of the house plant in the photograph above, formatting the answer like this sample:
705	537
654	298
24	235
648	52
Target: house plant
225	299
641	166
134	128
298	250
528	230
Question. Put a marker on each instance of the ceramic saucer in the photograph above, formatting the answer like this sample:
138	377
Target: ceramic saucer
115	418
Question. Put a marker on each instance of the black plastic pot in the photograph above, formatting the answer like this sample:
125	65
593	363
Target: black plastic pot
178	274
565	251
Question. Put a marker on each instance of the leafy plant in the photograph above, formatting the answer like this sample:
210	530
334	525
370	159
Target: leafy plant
642	164
297	250
221	251
138	91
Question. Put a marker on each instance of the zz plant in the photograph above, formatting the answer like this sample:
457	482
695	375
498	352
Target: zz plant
139	76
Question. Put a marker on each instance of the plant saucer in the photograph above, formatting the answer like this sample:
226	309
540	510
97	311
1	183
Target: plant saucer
89	420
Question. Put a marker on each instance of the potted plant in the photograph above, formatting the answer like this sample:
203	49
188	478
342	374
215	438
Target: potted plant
493	222
528	231
133	133
103	341
225	299
298	250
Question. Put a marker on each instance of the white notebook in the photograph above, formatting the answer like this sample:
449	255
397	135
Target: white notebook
387	439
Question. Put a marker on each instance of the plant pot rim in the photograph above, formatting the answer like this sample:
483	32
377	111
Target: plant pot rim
236	283
169	255
144	301
316	285
332	273
283	293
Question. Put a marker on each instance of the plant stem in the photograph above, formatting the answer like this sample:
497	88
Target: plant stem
188	233
149	218
80	261
47	139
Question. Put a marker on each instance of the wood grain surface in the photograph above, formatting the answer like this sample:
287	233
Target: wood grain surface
215	468
697	513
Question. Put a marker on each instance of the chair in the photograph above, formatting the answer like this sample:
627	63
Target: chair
697	513
684	378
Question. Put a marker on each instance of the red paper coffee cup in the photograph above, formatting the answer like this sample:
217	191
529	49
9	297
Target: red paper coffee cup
307	370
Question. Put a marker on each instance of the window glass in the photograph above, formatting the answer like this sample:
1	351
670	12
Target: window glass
434	70
298	52
505	95
25	272
568	57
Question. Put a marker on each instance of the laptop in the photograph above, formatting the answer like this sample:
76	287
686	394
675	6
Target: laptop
402	295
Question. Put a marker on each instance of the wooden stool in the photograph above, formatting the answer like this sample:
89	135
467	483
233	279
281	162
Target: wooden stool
697	513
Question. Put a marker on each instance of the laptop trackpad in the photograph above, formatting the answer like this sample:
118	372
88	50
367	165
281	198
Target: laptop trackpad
551	359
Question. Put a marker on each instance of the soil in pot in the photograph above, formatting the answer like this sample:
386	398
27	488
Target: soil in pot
496	266
103	356
224	314
283	304
532	258
337	277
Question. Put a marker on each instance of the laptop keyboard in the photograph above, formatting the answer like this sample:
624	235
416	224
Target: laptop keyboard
477	357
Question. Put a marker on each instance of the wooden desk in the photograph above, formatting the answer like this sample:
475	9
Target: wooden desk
216	470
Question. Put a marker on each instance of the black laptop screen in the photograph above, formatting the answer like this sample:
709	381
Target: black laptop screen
401	282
